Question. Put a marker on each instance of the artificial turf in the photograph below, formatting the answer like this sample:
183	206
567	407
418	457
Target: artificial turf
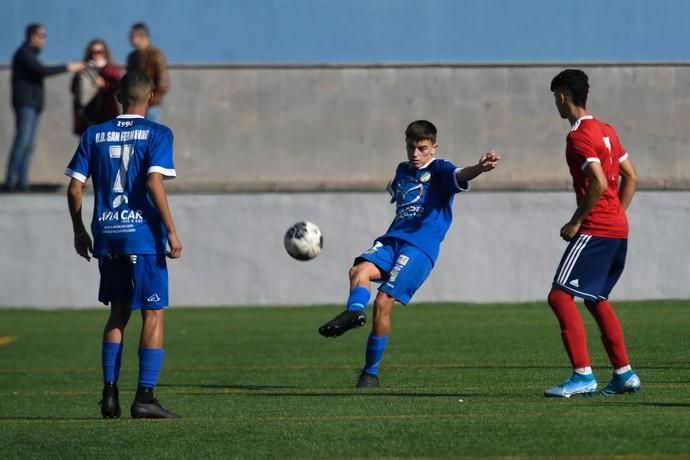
457	380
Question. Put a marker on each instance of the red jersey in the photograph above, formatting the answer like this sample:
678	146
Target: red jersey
593	141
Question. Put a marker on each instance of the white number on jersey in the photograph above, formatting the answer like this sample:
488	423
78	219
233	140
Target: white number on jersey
607	143
124	153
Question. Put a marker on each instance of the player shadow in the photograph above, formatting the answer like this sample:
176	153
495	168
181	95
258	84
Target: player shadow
479	367
651	404
228	386
663	366
367	394
48	419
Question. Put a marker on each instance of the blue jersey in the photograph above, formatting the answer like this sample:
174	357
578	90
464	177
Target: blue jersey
118	155
424	202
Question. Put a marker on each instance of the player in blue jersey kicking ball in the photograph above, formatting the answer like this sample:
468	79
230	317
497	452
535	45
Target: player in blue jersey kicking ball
127	159
422	190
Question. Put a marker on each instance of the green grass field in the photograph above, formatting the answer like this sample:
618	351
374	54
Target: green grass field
457	381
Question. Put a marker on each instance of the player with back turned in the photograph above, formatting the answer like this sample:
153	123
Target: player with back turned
423	190
127	159
598	240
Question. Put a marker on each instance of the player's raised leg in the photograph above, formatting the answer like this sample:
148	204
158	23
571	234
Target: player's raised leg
150	364
111	358
582	379
377	341
361	275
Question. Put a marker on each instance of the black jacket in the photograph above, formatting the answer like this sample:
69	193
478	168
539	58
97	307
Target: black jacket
27	77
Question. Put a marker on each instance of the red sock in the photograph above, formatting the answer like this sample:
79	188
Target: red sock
611	332
572	328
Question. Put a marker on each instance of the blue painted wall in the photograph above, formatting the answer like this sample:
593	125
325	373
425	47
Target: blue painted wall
362	31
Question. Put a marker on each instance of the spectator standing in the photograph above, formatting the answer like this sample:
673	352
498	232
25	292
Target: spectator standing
151	61
94	88
27	101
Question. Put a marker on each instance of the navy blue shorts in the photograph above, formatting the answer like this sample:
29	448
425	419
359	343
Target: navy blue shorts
591	266
405	267
141	281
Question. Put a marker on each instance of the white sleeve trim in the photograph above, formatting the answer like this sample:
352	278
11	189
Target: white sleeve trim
457	183
75	175
167	173
623	157
590	160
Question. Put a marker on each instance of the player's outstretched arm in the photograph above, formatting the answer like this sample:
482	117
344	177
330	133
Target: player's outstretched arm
487	162
628	184
82	240
154	185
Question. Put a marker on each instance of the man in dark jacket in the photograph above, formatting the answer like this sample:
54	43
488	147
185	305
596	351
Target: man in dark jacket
27	101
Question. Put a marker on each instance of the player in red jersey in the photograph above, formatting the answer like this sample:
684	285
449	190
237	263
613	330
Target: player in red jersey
597	232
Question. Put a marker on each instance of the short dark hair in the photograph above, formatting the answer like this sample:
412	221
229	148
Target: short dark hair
141	26
32	29
574	82
135	88
420	130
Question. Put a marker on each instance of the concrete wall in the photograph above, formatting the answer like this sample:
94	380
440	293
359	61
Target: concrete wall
502	247
327	31
328	128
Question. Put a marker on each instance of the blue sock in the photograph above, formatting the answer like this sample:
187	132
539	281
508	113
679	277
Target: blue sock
118	361
358	298
375	348
111	356
150	363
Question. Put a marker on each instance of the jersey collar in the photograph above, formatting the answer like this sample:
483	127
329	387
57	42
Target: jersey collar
424	166
129	116
579	120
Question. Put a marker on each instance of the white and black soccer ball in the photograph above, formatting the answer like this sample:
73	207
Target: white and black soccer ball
303	241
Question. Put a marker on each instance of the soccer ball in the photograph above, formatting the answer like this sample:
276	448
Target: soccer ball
303	241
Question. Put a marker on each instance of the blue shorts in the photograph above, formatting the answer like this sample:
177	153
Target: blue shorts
405	267
591	266
141	281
